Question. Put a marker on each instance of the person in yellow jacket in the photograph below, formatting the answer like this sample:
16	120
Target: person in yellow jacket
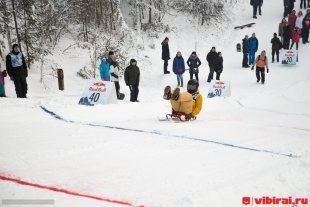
185	103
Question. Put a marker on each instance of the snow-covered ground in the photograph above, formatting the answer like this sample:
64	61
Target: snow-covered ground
254	143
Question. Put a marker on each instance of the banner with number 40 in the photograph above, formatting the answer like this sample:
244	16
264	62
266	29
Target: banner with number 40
98	92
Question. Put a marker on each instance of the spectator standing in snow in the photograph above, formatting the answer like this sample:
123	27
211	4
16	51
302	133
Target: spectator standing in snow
217	65
287	35
104	68
254	4
281	28
210	58
295	37
253	46
165	55
303	3
286	7
260	4
17	70
3	74
114	74
179	68
306	27
292	19
132	79
261	64
276	46
194	62
245	51
299	20
291	6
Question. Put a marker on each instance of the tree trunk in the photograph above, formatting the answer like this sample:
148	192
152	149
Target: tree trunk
15	22
6	24
26	36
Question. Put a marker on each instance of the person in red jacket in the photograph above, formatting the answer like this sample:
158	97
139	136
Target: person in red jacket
292	19
305	28
295	37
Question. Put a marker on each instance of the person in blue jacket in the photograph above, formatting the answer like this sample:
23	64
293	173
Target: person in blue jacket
253	46
179	68
104	68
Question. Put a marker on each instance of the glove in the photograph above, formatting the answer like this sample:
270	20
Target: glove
4	73
267	70
11	77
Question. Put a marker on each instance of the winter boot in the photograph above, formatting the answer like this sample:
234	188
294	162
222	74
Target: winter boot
167	93
176	94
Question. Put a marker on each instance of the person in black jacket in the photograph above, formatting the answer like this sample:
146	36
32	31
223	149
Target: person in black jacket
276	46
260	4
286	36
255	4
193	62
17	70
165	55
245	51
217	65
132	79
210	58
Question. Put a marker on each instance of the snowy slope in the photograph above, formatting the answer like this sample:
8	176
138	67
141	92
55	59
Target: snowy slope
255	143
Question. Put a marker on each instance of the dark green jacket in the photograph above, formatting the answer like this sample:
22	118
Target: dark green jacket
132	75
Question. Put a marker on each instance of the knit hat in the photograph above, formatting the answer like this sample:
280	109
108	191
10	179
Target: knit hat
166	38
132	61
111	53
194	53
15	45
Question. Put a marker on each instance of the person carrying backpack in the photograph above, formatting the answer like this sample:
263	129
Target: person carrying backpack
261	64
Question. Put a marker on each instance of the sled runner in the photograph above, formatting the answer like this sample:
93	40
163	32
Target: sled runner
245	25
179	117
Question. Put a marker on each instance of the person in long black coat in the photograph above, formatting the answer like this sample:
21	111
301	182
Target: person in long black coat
245	51
165	55
218	65
210	58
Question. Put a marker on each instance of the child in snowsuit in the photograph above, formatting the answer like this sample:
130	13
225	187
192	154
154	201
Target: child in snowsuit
104	68
295	37
3	74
